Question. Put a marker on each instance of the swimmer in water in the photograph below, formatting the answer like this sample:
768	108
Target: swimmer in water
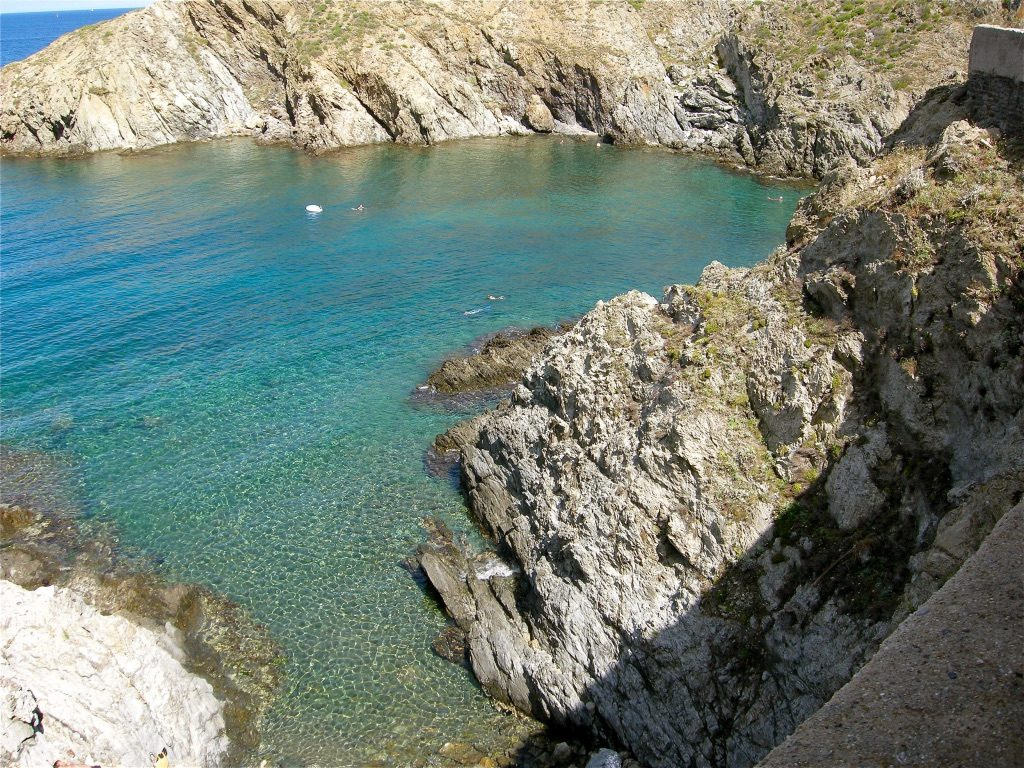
359	208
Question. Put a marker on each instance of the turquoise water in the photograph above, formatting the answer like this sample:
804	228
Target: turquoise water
230	376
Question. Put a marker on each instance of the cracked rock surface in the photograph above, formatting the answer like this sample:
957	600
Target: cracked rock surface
71	678
715	506
764	84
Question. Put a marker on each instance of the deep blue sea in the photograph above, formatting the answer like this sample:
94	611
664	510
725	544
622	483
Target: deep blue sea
22	34
225	379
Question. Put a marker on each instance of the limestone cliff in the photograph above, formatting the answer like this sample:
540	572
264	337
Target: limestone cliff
715	506
793	88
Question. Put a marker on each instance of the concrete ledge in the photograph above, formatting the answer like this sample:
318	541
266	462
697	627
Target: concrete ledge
946	688
997	51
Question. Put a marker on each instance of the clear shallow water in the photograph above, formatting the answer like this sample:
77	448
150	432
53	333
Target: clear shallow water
229	375
22	34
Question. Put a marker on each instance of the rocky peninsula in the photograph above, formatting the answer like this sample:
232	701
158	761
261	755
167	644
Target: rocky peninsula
102	662
710	509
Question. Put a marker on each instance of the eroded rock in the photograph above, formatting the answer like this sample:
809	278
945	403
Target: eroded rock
765	85
119	659
721	502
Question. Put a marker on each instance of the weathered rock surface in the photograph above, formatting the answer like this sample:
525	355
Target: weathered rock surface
84	687
778	84
959	658
499	362
119	662
334	74
720	503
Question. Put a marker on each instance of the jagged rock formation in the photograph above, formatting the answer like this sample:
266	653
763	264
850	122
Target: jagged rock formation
720	503
937	662
119	662
88	688
793	88
499	362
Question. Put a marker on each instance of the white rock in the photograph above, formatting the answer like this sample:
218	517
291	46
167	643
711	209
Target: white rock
605	758
110	692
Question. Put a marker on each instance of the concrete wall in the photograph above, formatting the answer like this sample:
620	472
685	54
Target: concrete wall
998	51
996	81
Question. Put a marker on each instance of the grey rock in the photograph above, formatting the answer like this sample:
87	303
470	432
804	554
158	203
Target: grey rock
949	660
853	497
538	116
197	69
721	502
605	758
284	70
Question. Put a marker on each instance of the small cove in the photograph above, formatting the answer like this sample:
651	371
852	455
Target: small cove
229	376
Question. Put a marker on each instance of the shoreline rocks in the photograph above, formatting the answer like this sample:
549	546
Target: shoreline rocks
771	85
120	662
91	688
720	503
494	363
483	375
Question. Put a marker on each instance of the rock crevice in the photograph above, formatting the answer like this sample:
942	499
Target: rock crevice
770	86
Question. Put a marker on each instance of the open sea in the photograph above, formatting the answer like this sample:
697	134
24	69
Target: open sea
225	379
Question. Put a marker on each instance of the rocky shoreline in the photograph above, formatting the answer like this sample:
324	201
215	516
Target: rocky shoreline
106	663
487	372
710	509
493	365
792	89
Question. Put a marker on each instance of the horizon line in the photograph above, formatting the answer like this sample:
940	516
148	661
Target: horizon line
85	5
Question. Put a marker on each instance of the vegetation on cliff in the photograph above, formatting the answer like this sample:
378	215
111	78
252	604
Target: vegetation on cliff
791	88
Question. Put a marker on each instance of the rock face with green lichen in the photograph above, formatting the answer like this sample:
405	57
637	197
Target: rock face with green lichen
715	506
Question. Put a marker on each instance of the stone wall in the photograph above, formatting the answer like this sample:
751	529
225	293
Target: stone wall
997	75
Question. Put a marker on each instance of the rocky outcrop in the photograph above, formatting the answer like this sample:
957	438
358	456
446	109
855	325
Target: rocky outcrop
103	662
937	662
334	74
498	362
88	688
715	506
793	89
